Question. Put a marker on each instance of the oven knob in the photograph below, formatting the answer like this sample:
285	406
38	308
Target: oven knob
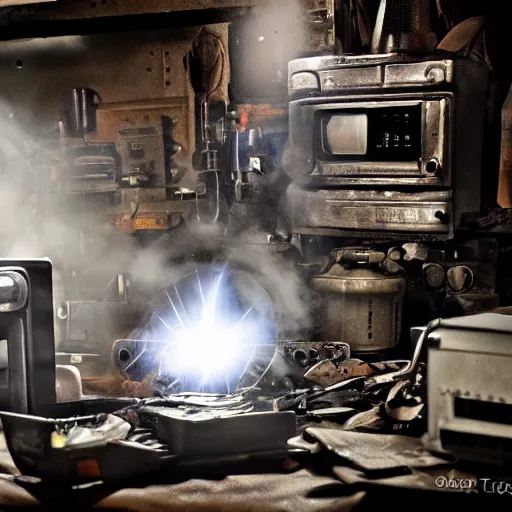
434	276
433	166
460	279
436	75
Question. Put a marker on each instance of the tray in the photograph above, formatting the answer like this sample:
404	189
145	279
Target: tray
28	439
220	433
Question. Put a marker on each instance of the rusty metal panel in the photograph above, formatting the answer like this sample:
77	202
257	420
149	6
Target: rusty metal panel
112	117
38	75
173	76
154	221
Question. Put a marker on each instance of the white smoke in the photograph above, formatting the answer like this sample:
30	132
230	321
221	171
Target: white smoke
71	231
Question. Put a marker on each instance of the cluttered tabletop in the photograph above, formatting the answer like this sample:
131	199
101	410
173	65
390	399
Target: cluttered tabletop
358	433
218	182
330	470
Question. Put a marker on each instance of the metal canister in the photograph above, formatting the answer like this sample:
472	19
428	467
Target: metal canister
361	307
403	26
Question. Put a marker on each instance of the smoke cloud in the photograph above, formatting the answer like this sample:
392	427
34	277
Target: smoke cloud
87	251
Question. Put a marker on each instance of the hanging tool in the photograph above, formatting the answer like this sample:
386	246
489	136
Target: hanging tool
206	70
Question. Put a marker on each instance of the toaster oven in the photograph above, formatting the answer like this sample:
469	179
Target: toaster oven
365	125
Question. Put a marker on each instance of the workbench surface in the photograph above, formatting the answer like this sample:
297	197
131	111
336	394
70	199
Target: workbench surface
295	489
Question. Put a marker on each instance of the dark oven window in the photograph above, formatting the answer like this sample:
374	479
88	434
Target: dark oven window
374	134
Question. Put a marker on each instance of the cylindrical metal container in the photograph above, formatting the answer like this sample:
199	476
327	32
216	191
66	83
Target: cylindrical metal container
361	307
403	26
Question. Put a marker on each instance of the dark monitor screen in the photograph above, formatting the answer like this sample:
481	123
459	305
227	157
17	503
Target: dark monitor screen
374	134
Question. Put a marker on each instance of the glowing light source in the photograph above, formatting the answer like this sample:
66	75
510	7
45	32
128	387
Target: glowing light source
208	350
207	343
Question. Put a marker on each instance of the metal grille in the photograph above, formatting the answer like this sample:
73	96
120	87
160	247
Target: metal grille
403	25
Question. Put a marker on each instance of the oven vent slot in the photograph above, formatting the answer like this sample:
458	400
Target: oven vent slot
491	412
461	441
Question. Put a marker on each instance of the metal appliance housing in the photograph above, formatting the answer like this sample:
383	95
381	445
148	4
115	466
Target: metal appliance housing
27	360
469	392
385	143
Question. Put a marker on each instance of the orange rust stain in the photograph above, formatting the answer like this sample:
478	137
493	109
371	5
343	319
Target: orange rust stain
254	114
88	468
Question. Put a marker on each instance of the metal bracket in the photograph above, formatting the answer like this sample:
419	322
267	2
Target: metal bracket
359	256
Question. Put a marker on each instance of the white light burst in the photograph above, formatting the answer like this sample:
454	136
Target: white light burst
211	348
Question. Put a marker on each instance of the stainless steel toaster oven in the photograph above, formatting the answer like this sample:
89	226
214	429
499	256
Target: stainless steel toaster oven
369	124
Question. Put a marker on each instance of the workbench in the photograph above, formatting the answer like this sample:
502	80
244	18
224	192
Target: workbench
294	488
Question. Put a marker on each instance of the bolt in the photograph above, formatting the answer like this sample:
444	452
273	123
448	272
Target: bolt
300	356
432	166
442	216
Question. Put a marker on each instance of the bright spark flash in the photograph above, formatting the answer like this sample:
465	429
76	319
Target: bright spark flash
167	326
200	287
175	310
211	348
142	352
245	314
181	302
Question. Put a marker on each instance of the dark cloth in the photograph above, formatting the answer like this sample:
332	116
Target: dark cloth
298	492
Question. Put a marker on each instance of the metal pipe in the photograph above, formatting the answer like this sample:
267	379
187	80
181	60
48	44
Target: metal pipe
77	111
238	171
